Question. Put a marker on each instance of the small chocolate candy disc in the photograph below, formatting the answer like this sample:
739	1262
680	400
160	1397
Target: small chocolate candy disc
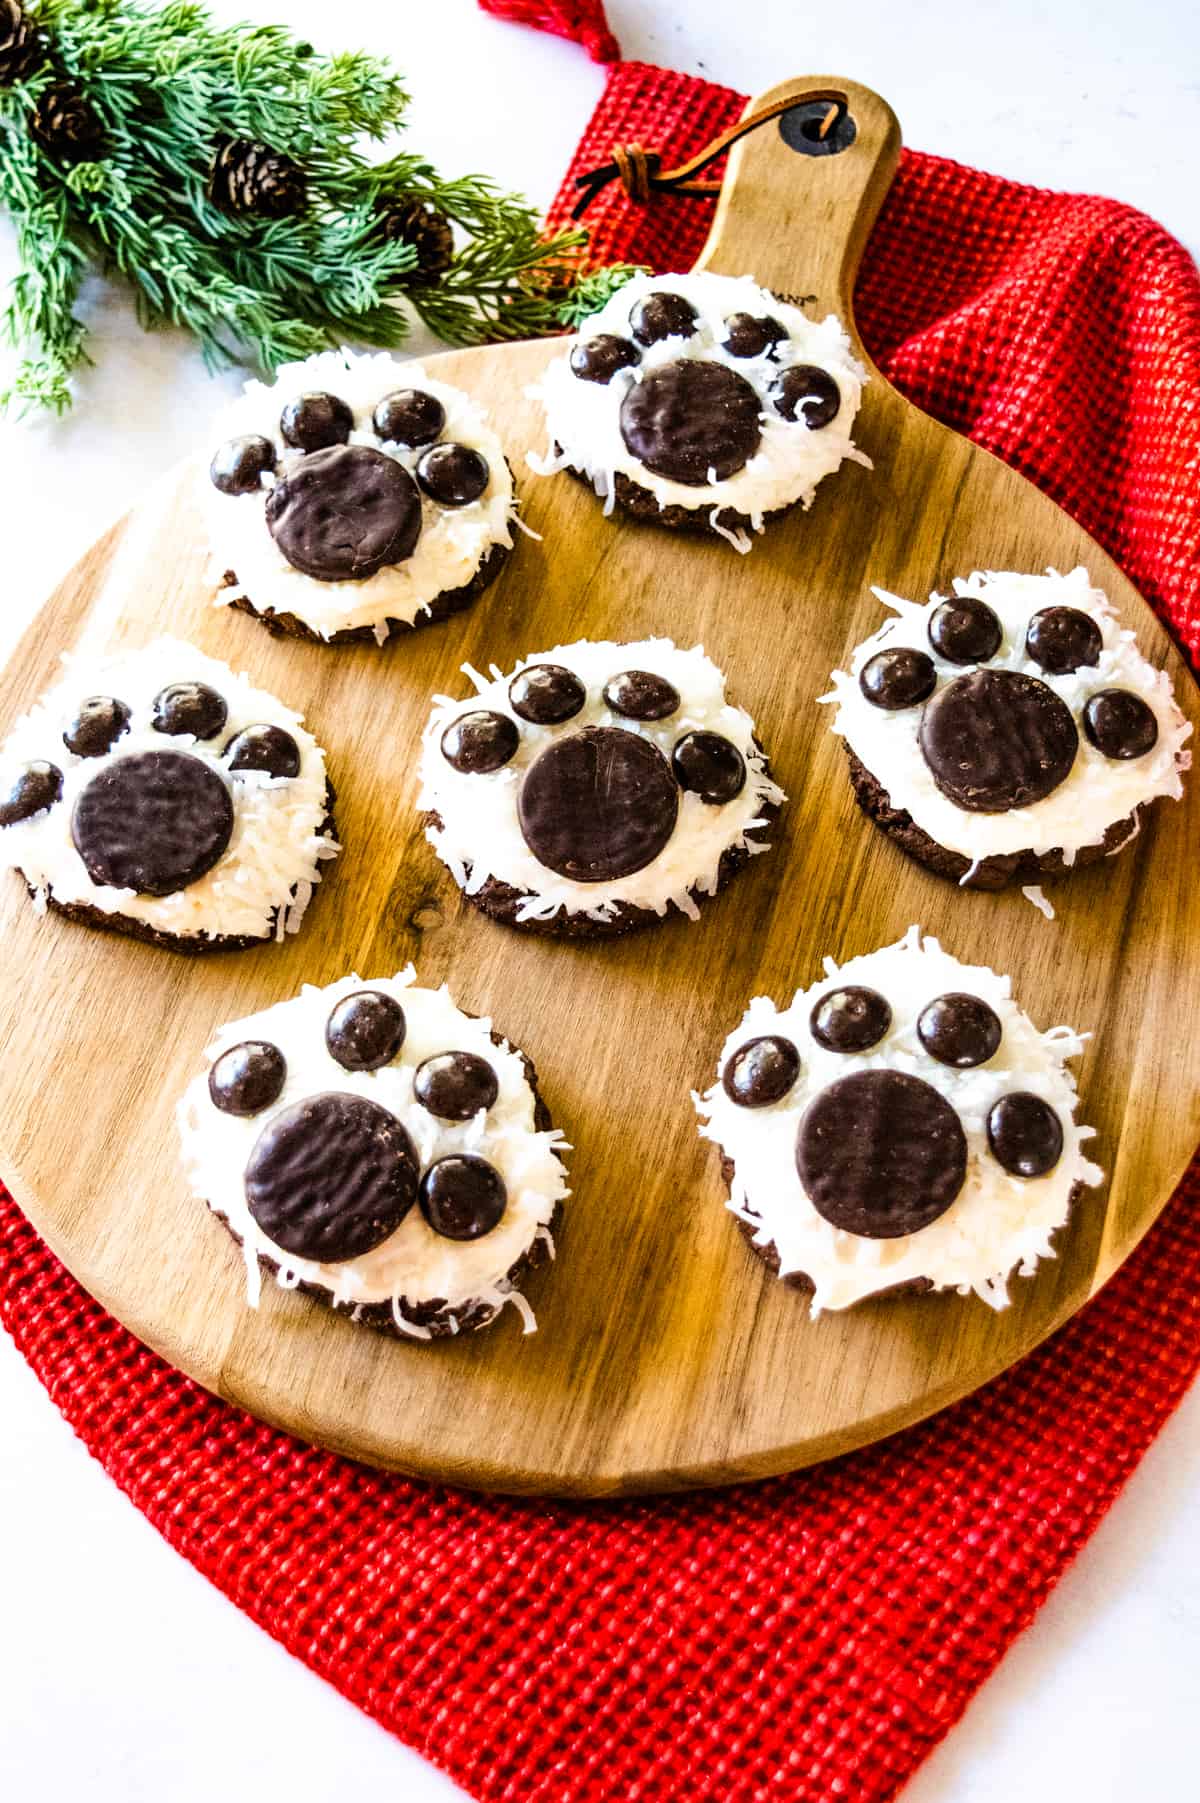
761	1072
190	708
748	336
965	630
598	359
480	742
897	678
154	822
331	1178
455	1085
1025	1134
99	722
365	1030
998	739
850	1019
598	804
959	1030
692	421
641	695
662	315
264	747
240	463
33	788
453	474
1062	639
881	1154
809	392
546	694
341	514
709	765
463	1196
312	422
409	417
248	1077
1120	724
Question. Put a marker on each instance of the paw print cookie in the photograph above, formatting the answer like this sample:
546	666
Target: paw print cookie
1009	732
594	787
901	1125
354	497
702	402
156	793
376	1147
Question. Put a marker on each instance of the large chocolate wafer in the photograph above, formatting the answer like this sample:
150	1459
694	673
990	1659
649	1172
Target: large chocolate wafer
998	739
598	804
881	1153
691	421
342	513
153	822
332	1177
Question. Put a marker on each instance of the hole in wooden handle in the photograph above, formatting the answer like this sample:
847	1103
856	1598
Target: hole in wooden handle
818	128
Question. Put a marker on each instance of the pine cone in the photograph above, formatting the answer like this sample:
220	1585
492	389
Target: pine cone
65	125
421	224
252	178
19	47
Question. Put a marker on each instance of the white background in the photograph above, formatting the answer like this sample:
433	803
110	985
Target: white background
123	1676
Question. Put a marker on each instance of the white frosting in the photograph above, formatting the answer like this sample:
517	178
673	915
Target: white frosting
265	878
1098	791
414	1264
996	1224
480	835
583	418
454	540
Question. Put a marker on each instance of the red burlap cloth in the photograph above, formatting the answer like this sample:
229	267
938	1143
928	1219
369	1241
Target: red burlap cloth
813	1637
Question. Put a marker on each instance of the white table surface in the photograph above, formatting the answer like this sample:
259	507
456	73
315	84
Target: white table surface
125	1677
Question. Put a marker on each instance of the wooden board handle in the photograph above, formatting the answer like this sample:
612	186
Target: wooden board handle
798	222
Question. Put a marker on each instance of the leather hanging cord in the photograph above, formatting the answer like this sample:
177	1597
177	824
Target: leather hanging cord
640	171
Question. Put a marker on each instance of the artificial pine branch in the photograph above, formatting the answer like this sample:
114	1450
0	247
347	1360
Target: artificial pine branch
219	170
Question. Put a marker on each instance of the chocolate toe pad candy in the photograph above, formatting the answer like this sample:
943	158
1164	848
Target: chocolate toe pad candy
662	315
264	747
850	1019
1062	639
455	1085
598	805
598	359
312	422
897	677
98	723
749	335
189	709
342	513
32	790
959	1030
807	393
366	1030
546	694
762	1071
331	1178
154	822
463	1196
1025	1134
240	464
453	474
1120	724
998	739
965	631
248	1077
881	1154
707	764
692	421
409	416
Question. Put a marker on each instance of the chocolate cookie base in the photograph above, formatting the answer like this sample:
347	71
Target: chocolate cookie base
800	1280
641	504
451	601
998	872
501	901
442	1322
192	945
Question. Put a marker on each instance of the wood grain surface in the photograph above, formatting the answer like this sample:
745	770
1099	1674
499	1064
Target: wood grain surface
667	1355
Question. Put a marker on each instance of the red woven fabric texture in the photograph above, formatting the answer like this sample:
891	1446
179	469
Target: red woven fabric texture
808	1639
582	21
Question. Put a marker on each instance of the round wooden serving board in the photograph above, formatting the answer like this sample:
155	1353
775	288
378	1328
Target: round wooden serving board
666	1354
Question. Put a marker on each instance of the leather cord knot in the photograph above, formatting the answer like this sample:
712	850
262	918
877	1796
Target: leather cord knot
640	171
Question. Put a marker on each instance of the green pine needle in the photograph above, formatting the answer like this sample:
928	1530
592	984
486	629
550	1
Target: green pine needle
168	85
